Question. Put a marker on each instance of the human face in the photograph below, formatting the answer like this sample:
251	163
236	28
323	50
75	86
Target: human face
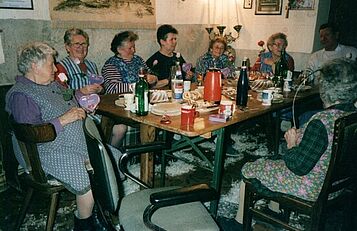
127	50
328	39
169	45
277	47
78	49
217	49
44	71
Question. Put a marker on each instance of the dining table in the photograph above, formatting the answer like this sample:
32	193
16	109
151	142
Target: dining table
202	127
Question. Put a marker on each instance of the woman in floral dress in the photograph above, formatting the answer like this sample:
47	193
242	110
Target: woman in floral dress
302	169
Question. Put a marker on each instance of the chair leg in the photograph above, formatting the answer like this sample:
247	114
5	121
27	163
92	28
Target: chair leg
248	202
24	208
163	168
51	217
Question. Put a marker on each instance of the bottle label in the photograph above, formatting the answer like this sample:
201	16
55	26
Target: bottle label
146	101
177	89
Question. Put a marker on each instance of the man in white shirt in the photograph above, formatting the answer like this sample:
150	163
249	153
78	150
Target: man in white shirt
329	35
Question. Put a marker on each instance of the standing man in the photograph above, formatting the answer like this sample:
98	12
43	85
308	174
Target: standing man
161	62
332	49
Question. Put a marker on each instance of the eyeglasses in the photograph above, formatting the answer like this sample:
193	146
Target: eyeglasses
279	45
77	45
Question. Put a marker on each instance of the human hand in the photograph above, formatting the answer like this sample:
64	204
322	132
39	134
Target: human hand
151	79
269	61
91	88
72	115
161	83
291	137
189	75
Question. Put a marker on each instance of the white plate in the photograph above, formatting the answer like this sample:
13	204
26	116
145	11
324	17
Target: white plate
170	109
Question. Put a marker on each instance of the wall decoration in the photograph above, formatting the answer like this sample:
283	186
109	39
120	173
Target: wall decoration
301	4
247	4
268	7
17	4
104	14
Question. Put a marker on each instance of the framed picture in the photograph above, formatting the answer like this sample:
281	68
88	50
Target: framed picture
302	4
247	4
17	4
268	7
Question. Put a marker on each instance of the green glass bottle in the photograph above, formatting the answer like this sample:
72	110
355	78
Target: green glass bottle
281	71
142	96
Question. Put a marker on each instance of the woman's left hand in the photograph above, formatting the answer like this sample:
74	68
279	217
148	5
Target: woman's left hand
291	137
189	75
92	88
151	79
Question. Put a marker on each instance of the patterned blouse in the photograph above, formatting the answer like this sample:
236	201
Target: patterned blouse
120	73
207	61
77	78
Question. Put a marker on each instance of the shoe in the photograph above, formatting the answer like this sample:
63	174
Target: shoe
231	151
83	224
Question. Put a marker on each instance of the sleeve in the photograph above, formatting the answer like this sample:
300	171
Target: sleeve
113	83
302	159
291	63
149	62
61	69
25	110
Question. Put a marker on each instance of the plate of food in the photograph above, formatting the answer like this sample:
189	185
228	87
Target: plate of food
170	109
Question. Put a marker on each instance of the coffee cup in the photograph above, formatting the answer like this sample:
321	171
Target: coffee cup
188	115
267	96
129	101
226	108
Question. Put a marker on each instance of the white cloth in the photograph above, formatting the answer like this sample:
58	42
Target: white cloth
320	57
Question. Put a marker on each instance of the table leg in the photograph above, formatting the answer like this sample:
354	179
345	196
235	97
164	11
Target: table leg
217	169
147	135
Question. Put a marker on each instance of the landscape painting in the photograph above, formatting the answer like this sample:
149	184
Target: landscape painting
108	13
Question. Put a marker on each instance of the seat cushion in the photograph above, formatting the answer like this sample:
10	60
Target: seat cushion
190	216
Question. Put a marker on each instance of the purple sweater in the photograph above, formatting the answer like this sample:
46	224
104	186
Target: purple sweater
24	109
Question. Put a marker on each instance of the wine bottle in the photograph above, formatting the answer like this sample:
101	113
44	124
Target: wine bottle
177	81
281	71
142	96
243	85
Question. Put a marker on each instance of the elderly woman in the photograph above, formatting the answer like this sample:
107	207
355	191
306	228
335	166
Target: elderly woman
214	57
77	68
121	70
36	98
301	170
266	61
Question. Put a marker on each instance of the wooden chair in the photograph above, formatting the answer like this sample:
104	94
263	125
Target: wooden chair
170	208
35	179
340	177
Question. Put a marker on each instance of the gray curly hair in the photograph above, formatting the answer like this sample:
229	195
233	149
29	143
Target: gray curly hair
338	82
34	52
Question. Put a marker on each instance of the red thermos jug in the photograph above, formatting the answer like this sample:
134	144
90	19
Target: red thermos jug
212	85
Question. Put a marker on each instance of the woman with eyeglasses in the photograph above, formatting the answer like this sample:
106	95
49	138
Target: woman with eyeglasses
75	66
266	61
215	57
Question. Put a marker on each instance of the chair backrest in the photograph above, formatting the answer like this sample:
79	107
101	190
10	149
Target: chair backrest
105	175
342	170
28	136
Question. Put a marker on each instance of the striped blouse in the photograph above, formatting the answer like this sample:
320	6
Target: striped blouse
120	73
77	78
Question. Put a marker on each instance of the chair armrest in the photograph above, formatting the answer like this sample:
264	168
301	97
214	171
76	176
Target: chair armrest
201	192
130	151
